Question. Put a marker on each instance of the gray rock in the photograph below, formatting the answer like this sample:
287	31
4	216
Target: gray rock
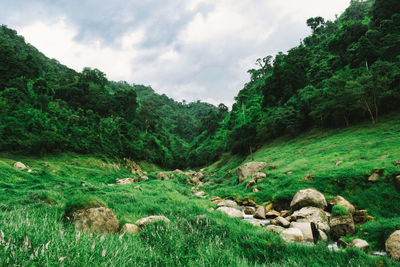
305	229
19	165
275	229
260	213
292	235
308	197
360	243
392	245
151	219
231	212
312	214
282	221
342	225
249	169
228	203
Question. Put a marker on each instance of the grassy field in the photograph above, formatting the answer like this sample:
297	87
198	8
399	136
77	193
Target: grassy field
34	231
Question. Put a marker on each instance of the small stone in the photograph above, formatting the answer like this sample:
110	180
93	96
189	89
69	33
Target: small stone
260	213
272	214
269	207
151	219
19	165
338	162
360	243
282	222
289	172
30	170
248	210
375	176
308	177
200	194
255	190
397	162
284	213
162	176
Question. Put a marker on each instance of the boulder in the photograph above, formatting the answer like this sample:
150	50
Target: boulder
130	228
282	222
275	229
359	243
151	219
308	197
292	234
338	200
361	217
341	225
122	181
392	245
97	220
249	169
260	213
231	212
313	214
272	214
249	210
19	165
397	182
305	228
162	176
228	203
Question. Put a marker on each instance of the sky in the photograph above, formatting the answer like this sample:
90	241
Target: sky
188	49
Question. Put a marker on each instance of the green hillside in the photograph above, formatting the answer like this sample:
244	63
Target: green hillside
84	161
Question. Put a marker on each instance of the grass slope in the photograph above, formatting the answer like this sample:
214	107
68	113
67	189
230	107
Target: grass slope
361	149
34	232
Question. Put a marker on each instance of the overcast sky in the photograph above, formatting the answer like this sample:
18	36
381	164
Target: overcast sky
187	49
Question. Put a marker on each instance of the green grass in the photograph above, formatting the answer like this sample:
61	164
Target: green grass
339	210
33	206
359	150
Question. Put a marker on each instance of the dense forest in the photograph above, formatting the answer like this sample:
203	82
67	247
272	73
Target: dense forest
346	71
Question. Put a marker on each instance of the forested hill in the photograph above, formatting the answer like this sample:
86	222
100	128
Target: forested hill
46	107
346	71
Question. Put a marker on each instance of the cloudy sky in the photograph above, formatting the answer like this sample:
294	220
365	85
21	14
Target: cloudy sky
187	49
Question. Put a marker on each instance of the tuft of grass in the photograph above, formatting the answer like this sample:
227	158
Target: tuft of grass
339	210
81	202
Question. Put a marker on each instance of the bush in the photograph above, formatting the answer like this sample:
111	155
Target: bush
339	210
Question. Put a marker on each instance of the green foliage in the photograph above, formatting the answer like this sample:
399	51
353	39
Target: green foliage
339	210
